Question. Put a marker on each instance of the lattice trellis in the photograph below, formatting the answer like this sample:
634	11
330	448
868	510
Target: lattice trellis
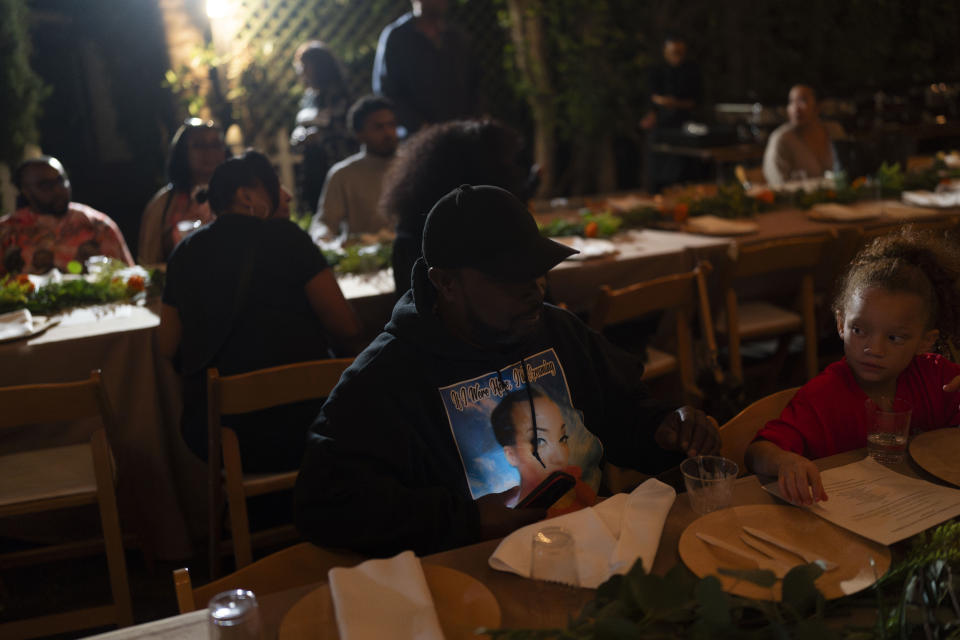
263	83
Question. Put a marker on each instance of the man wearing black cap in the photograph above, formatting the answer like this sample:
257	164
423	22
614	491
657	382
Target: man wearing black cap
403	455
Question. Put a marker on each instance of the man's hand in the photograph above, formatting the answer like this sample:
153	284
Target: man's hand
497	520
798	478
689	430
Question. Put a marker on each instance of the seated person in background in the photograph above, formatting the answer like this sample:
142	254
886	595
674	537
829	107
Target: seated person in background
901	293
196	150
537	439
48	230
321	126
245	292
800	148
403	455
349	203
438	159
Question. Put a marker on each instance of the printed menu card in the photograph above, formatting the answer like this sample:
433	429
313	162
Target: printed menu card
880	504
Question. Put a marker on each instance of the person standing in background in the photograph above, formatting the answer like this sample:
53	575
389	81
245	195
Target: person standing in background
675	93
425	66
321	126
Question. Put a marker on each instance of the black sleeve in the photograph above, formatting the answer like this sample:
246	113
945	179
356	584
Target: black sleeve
305	258
171	283
364	483
394	83
655	82
630	415
695	81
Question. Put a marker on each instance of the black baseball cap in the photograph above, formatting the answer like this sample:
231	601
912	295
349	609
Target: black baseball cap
489	229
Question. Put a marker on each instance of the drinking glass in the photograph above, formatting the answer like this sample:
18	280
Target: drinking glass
96	264
888	426
709	482
234	615
185	228
554	560
554	556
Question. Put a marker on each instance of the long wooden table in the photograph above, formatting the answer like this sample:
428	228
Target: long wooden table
523	603
651	253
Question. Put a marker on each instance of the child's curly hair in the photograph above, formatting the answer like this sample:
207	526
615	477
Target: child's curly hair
914	262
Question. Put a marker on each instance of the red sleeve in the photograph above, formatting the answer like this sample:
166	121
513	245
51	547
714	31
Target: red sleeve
794	428
822	418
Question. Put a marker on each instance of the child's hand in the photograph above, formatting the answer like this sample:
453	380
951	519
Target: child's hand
953	385
798	478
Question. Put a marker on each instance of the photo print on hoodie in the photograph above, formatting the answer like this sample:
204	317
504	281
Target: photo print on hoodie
515	426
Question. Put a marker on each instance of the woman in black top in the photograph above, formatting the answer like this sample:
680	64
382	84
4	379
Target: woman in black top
249	291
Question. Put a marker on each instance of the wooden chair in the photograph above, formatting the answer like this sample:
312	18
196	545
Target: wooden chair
679	293
63	477
243	393
761	319
737	433
294	566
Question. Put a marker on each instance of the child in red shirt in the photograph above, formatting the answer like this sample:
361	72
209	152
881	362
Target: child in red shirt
900	295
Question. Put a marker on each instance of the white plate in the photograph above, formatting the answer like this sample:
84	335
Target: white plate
589	248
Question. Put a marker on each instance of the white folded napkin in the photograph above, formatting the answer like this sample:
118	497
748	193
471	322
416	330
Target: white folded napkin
609	537
16	324
588	247
384	600
932	198
713	225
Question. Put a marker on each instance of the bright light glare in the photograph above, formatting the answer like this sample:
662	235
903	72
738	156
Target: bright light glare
218	9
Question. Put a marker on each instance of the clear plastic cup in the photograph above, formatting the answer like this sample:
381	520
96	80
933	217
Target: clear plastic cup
554	557
888	428
234	615
709	481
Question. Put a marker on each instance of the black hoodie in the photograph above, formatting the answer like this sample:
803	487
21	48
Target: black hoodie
383	473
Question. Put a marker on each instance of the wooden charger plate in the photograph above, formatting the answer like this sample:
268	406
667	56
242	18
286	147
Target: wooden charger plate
937	453
463	604
792	525
710	225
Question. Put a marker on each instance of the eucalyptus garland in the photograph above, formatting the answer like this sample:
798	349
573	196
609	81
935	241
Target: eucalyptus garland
916	599
18	292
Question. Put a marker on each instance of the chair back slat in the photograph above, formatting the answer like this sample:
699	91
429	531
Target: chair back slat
634	301
47	403
301	564
280	385
779	255
737	433
42	404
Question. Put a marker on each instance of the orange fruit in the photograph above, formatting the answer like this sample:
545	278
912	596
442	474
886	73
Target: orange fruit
680	211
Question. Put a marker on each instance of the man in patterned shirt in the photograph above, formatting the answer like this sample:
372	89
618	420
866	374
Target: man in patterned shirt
50	231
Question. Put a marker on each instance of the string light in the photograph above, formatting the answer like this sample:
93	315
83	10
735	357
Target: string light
219	8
